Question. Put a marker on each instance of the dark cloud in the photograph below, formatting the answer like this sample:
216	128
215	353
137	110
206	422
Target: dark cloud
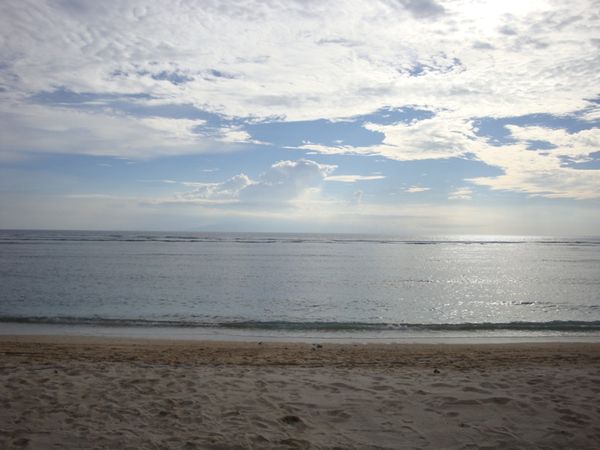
214	73
65	97
507	30
171	77
73	6
483	46
339	41
423	9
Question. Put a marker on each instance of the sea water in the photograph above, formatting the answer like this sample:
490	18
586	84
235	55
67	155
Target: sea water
299	285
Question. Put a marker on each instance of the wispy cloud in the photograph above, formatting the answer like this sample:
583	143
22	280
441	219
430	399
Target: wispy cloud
353	178
416	189
236	135
163	181
462	193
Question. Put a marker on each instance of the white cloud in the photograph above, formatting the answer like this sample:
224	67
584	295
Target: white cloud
226	191
353	178
179	129
538	172
462	193
250	58
543	172
440	137
577	146
302	60
283	182
236	135
34	128
416	189
593	114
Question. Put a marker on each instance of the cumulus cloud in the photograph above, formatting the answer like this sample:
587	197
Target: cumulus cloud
283	182
224	192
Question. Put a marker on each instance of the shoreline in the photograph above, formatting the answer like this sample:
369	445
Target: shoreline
282	336
98	392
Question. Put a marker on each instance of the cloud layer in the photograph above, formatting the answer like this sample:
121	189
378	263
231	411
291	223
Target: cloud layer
142	79
309	60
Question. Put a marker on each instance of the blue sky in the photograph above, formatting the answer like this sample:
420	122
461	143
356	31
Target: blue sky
393	116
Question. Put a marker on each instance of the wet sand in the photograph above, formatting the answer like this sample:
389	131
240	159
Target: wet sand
78	392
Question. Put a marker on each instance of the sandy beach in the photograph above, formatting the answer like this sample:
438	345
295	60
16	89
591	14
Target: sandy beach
73	393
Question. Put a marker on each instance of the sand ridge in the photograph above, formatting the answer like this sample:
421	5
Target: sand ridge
110	393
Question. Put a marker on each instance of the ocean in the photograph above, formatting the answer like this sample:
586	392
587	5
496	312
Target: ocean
299	286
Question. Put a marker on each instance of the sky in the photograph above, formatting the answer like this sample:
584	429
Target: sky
400	117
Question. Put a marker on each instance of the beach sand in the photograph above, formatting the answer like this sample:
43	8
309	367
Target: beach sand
77	392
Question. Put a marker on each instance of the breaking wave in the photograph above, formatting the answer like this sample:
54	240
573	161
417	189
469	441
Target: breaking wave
292	326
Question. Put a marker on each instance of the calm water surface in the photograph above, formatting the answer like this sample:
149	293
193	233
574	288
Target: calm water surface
300	282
